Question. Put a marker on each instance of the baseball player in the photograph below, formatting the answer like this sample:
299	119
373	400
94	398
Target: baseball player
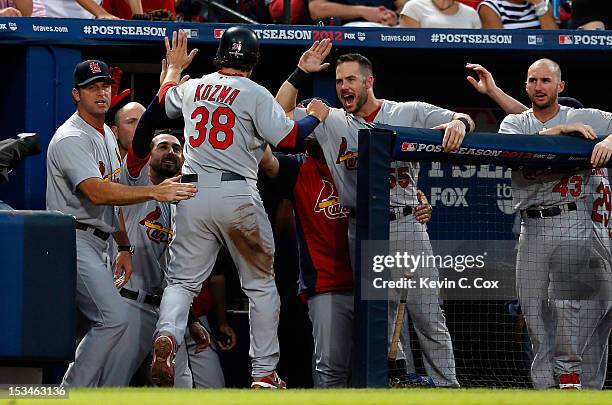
338	139
83	164
326	279
126	119
595	316
229	120
557	230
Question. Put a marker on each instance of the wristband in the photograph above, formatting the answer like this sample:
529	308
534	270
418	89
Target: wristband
466	122
298	78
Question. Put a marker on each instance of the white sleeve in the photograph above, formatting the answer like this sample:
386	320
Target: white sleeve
511	125
270	120
428	115
173	101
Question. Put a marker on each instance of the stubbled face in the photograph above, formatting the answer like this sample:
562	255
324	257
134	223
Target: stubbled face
352	86
93	98
543	85
126	123
166	156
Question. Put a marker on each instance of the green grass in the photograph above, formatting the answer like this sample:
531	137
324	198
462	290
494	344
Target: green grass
326	397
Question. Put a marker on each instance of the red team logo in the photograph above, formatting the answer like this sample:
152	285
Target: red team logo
348	157
102	168
95	67
328	202
218	32
156	231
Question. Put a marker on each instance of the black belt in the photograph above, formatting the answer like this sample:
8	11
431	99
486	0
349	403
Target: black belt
550	211
225	176
100	234
154	300
394	213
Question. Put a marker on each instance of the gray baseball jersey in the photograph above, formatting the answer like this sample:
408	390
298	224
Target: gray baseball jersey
79	152
149	228
338	136
228	122
541	188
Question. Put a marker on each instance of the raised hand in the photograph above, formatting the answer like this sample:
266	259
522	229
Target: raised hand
486	83
311	61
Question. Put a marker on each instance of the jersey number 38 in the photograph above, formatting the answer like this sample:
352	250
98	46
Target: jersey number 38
222	121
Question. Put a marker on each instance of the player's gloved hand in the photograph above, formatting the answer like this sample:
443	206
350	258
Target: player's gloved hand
583	130
318	109
422	212
311	61
164	72
171	190
200	336
227	330
454	132
602	152
123	269
486	83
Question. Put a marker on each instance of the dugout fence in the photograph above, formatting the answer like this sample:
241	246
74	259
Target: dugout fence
472	215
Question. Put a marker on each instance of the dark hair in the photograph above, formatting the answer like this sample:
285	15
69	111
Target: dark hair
364	63
177	133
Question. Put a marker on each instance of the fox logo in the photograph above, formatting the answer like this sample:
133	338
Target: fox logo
156	231
328	202
349	158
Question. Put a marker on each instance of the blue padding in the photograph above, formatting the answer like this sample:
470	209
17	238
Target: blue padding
11	283
538	151
370	325
38	293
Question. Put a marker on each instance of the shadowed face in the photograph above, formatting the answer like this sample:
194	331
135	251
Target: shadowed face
126	121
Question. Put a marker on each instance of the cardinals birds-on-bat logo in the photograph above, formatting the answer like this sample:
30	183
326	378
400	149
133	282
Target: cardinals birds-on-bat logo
349	158
328	202
155	230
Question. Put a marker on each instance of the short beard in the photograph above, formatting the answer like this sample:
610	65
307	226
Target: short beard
164	171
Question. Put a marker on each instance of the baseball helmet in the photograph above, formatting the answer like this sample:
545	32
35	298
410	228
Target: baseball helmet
238	49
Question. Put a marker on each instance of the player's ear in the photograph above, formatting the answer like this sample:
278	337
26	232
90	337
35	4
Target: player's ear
561	86
76	96
370	82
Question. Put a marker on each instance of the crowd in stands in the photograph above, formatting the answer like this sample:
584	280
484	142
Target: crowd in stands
470	14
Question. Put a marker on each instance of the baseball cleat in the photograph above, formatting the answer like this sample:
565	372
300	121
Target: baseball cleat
412	380
570	381
162	368
272	381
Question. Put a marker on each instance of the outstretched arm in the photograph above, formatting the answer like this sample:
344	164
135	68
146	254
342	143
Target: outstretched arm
486	85
311	61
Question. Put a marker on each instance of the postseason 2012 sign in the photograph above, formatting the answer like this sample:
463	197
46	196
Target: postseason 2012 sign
412	144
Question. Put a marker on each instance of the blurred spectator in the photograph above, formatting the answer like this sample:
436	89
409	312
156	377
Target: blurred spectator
77	9
591	14
374	13
38	9
298	11
516	14
15	8
438	14
125	9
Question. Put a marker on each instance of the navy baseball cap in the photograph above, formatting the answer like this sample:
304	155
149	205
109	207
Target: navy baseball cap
90	70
